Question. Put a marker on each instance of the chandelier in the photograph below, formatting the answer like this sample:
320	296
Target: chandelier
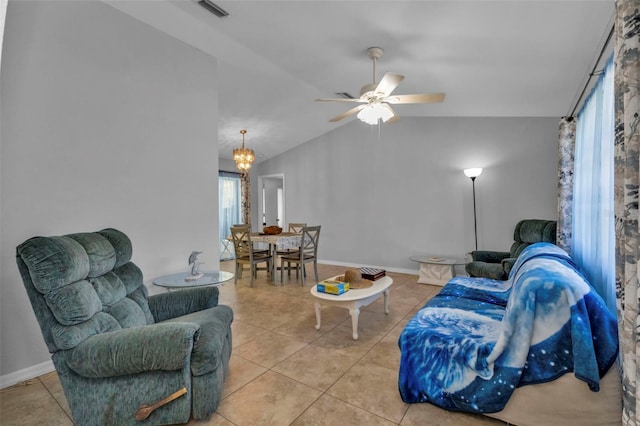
243	156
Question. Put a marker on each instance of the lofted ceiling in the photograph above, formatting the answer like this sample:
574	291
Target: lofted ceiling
491	58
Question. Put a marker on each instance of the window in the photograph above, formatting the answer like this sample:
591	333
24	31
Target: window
230	211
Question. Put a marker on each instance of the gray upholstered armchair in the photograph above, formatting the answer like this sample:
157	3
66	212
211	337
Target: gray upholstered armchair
116	349
497	264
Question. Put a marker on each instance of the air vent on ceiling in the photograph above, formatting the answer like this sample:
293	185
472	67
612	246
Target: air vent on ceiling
213	8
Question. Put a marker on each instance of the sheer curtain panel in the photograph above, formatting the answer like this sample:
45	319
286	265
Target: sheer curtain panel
593	238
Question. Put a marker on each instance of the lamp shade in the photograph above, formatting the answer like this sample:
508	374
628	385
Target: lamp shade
474	172
371	113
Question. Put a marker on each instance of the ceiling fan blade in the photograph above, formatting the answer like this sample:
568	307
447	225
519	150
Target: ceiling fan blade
389	82
424	98
346	114
339	100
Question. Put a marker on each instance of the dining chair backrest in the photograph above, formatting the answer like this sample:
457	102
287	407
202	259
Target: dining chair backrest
309	243
241	236
296	228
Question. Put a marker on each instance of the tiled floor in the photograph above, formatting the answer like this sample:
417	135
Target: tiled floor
283	371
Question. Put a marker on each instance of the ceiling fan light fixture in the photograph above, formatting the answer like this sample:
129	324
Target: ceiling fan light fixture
372	113
376	97
243	157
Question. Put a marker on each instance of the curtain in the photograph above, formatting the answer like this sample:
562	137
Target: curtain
593	236
229	188
566	148
626	182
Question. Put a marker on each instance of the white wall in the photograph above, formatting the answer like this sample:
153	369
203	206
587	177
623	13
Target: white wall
383	199
106	122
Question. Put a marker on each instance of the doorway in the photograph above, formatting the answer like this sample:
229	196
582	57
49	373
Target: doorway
271	200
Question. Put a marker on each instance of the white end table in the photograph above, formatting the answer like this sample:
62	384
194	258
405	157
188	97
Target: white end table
353	300
436	270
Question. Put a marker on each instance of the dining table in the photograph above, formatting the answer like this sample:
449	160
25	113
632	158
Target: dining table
281	241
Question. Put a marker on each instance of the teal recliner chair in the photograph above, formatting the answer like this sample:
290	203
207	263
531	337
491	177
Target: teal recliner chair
118	352
497	264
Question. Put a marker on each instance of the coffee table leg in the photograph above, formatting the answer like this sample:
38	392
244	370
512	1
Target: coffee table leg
318	315
355	313
386	301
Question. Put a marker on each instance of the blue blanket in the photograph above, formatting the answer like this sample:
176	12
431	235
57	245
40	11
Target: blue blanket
464	351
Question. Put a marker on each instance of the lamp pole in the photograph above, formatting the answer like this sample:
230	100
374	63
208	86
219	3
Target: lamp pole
473	174
475	223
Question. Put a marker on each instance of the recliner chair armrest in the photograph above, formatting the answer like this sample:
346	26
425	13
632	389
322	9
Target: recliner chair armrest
485	269
174	304
489	256
134	350
508	263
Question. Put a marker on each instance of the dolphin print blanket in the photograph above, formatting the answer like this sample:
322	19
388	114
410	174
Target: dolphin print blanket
478	340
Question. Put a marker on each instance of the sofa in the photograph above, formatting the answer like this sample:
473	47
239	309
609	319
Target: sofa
124	357
498	264
507	348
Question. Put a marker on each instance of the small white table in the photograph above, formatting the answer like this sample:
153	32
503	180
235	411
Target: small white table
353	300
436	270
178	281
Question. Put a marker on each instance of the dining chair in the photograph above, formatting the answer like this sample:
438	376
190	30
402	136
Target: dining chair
295	228
307	253
245	255
255	250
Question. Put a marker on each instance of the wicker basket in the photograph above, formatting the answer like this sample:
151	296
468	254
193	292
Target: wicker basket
272	230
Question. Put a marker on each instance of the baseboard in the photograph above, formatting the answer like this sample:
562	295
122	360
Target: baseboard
26	374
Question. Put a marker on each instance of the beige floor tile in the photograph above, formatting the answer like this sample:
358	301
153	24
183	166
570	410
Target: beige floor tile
372	388
303	328
215	420
397	330
243	308
269	349
241	372
271	399
269	318
417	413
316	366
341	338
329	411
243	332
385	353
30	403
399	307
53	385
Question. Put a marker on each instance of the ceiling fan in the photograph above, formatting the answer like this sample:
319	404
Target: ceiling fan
376	98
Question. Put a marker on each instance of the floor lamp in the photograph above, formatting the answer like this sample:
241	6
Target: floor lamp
473	174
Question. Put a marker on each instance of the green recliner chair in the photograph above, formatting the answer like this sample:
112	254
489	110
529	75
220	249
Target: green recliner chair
117	351
498	264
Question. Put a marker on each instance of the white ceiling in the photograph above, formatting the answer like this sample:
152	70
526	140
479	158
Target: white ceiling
491	58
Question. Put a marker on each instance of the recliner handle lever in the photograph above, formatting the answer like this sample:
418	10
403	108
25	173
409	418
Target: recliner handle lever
145	410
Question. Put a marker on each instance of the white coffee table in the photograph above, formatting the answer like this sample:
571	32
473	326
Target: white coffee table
353	300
